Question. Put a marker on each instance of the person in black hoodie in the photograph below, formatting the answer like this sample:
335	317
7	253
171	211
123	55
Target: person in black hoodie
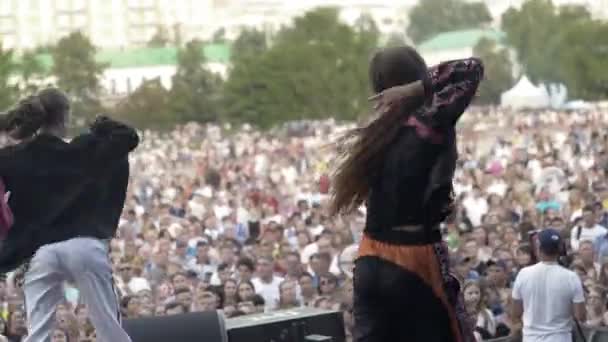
67	198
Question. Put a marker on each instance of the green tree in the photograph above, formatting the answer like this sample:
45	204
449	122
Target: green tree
498	69
160	39
78	73
8	91
31	71
431	17
194	94
583	60
559	45
219	36
177	34
147	106
249	43
46	48
518	24
315	69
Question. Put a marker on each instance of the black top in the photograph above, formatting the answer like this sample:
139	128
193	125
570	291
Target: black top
397	194
416	179
63	190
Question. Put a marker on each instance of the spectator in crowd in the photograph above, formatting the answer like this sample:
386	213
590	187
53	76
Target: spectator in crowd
328	284
183	295
16	326
293	266
595	307
3	327
246	268
548	295
175	308
245	291
59	335
267	283
307	290
496	283
207	301
588	229
288	295
474	297
229	293
587	258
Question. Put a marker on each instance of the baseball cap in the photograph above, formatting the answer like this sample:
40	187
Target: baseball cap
549	241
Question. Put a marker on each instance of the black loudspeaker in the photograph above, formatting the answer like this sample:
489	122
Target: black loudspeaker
296	325
192	327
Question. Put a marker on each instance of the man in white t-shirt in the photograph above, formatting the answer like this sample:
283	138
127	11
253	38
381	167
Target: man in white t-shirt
476	206
267	284
588	230
548	295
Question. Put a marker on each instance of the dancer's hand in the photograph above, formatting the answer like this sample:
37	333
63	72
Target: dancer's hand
99	119
392	98
102	124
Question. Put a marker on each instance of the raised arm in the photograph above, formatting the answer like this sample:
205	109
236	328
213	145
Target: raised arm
109	141
453	85
445	93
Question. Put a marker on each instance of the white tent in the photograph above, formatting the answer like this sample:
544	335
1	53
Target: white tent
525	95
578	105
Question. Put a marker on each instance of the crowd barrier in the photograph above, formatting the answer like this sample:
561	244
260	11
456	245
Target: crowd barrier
591	335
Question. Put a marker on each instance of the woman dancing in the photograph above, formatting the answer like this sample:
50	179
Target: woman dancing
401	165
66	199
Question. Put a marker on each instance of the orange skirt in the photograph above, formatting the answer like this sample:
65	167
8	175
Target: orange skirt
422	260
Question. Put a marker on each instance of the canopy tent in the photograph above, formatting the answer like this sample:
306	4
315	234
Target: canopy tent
578	105
525	95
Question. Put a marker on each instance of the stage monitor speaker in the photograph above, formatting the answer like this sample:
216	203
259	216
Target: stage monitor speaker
296	325
193	327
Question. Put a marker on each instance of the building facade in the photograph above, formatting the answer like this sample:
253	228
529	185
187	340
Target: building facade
26	24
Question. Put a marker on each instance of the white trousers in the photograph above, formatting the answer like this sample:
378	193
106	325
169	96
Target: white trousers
84	262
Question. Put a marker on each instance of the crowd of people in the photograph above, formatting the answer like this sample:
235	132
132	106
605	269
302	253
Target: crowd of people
235	219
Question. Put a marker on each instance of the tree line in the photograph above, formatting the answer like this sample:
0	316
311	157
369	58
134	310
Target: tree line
317	67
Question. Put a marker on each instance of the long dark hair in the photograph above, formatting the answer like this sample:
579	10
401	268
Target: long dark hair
49	108
362	150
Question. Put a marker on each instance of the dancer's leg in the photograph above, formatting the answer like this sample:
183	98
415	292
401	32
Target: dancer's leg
393	303
369	309
43	289
89	266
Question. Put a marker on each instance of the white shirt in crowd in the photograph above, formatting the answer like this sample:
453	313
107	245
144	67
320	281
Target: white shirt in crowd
312	249
487	321
586	234
476	208
268	291
548	292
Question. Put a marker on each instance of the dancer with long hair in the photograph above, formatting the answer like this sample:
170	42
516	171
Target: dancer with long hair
401	166
66	198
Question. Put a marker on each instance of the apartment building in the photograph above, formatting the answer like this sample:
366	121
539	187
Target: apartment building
25	24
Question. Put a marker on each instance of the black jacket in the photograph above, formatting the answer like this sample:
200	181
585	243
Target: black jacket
414	184
63	190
